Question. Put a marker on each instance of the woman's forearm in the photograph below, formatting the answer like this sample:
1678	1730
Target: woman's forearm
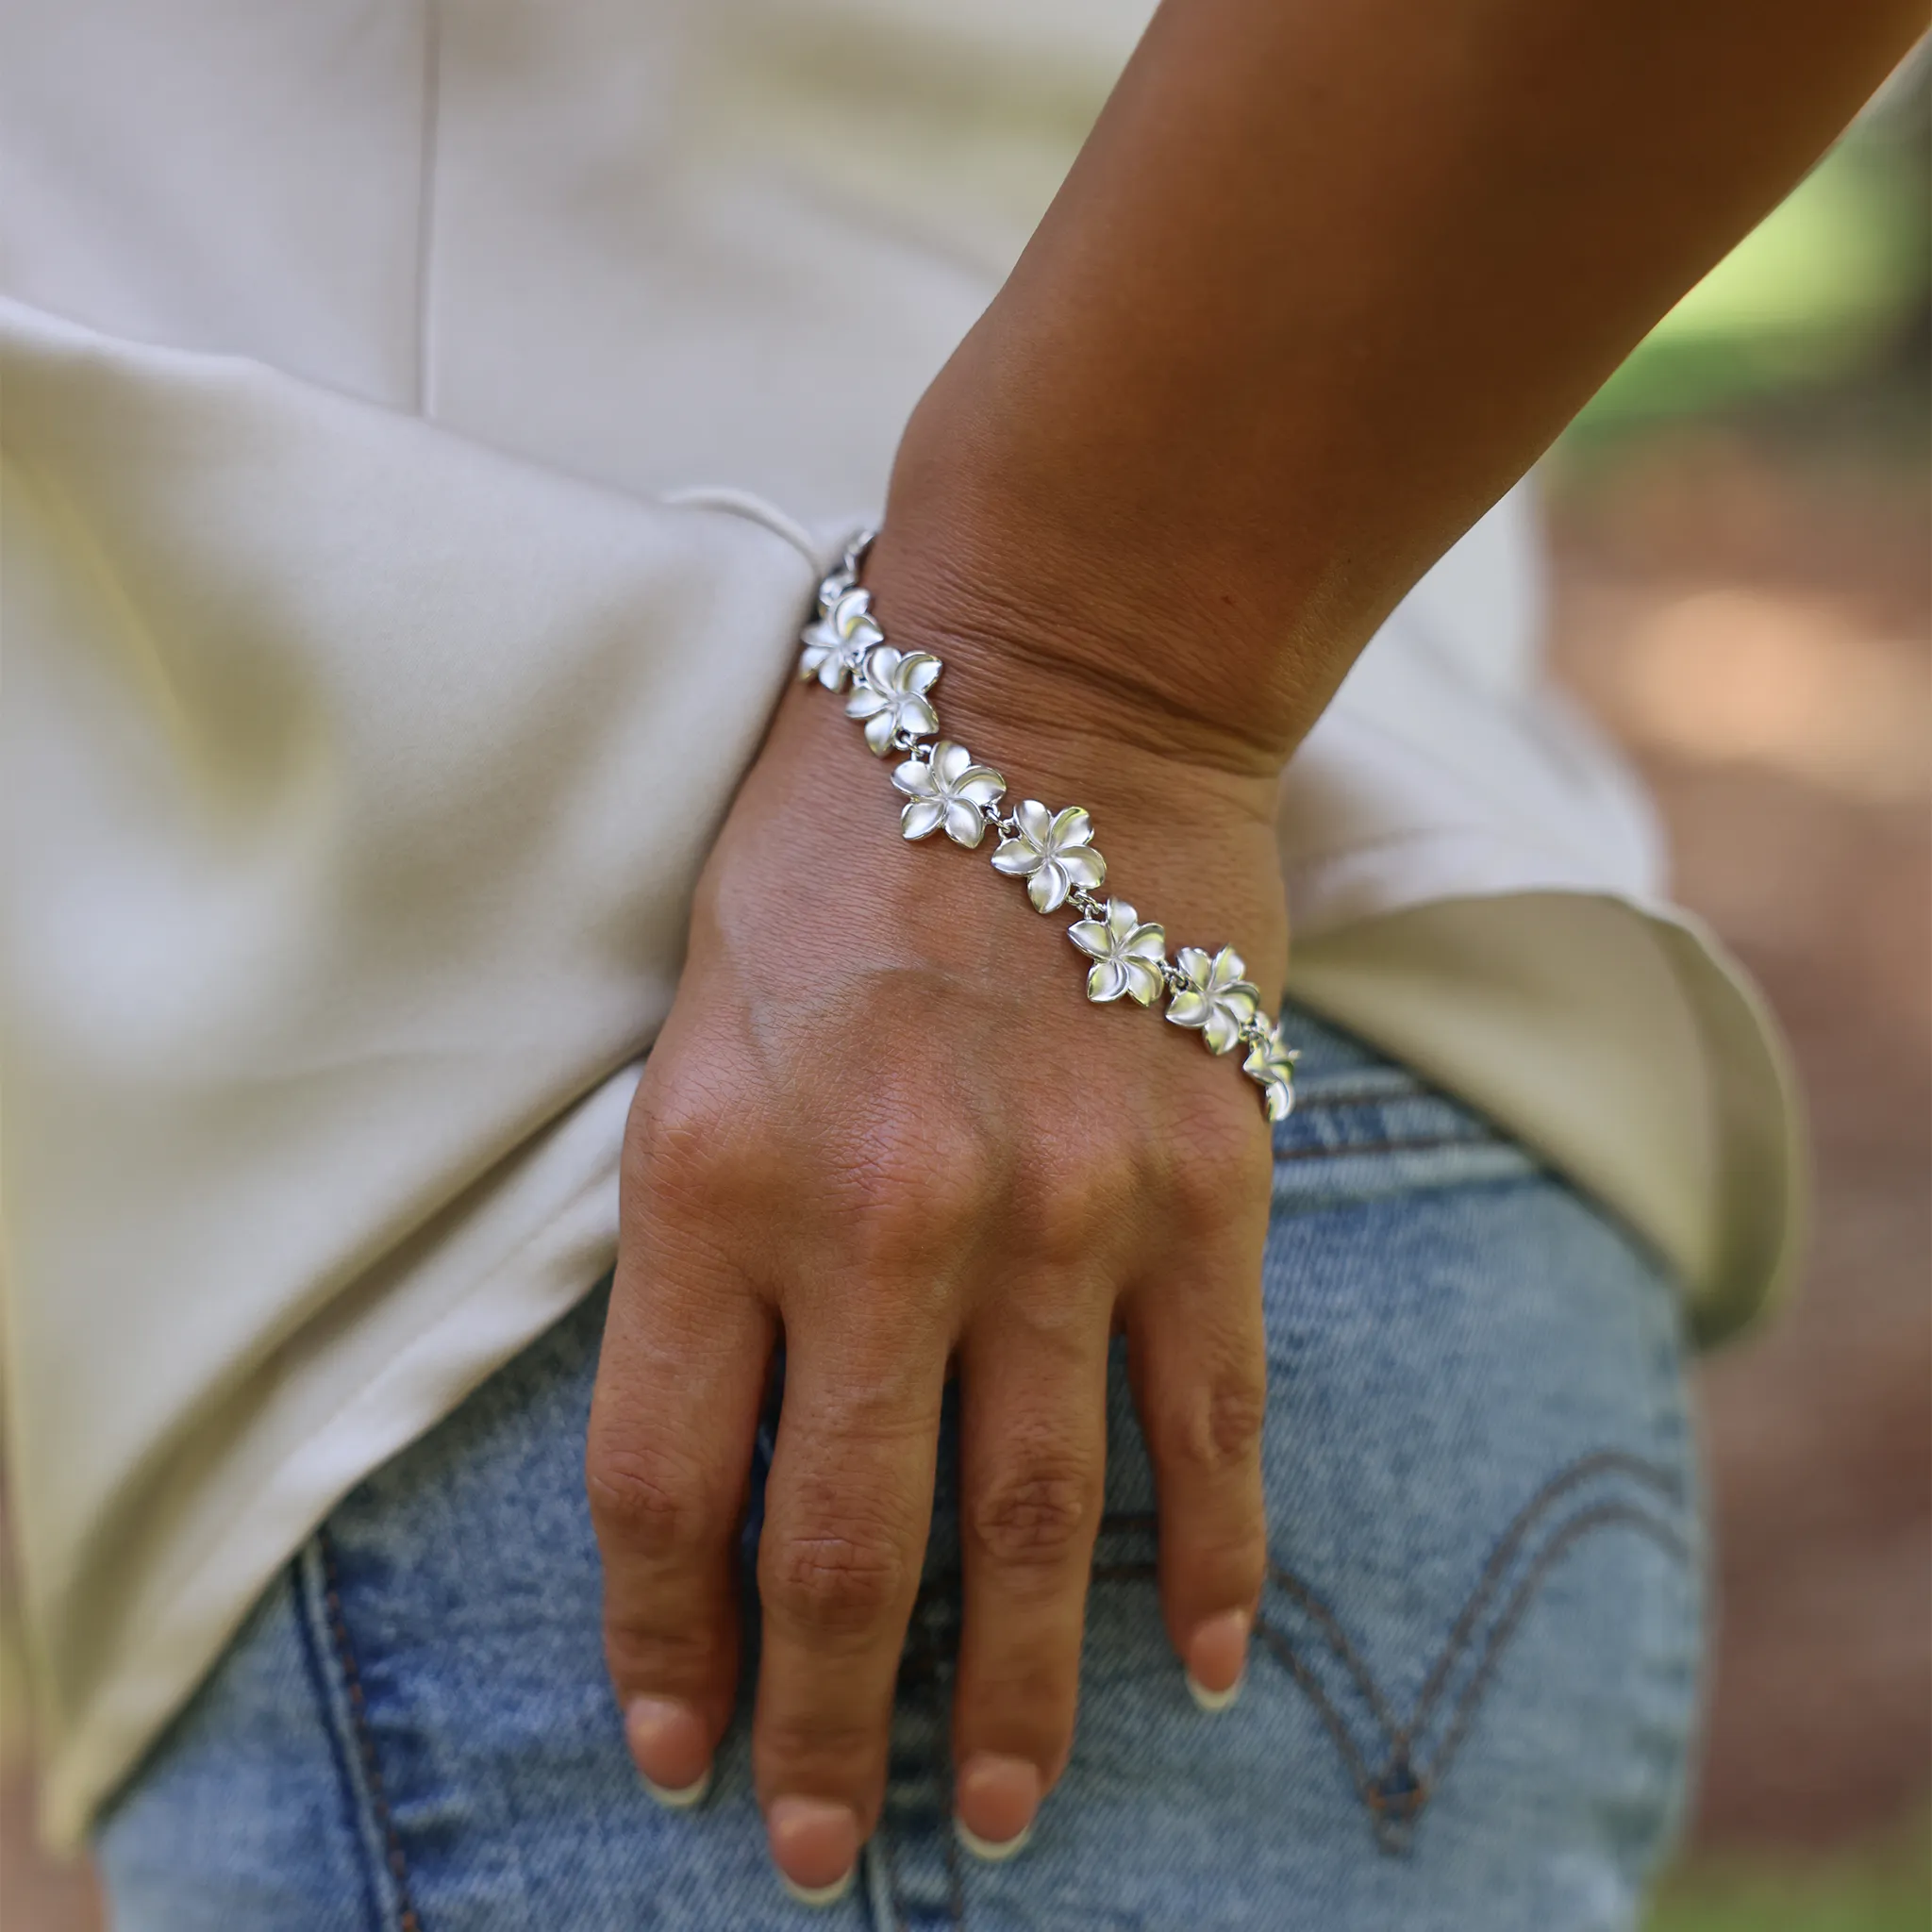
1326	278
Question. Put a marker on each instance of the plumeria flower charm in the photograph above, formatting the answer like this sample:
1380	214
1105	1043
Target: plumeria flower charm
944	791
889	691
1272	1066
843	632
1126	955
947	790
1216	998
833	586
1051	853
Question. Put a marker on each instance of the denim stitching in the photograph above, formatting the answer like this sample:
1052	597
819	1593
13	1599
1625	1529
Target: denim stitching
1396	1797
1631	1515
1603	1462
318	1683
1352	1758
407	1918
1324	1621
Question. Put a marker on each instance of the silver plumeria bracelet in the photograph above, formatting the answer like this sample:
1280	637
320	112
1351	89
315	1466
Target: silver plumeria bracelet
1053	851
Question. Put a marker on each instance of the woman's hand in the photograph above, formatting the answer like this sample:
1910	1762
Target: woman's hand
1321	283
883	1123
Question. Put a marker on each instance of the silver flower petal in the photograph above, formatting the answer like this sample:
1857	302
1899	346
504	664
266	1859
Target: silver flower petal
947	789
1108	943
923	815
847	613
824	656
1072	827
1050	852
1035	824
1217	1000
1188	1006
1221	1030
964	825
888	691
1144	980
962	778
1049	885
1083	865
1271	1065
844	633
1128	955
916	779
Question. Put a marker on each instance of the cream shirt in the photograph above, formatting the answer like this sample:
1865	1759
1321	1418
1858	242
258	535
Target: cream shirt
423	427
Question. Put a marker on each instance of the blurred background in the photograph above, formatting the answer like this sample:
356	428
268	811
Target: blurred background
1742	523
1742	526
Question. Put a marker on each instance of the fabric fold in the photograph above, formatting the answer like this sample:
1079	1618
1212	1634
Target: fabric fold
356	778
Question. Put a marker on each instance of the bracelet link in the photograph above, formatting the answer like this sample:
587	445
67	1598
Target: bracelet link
946	789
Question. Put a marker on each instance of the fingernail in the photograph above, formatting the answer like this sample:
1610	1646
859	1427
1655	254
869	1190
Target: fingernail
668	1745
817	1894
994	1801
1217	1655
814	1844
679	1797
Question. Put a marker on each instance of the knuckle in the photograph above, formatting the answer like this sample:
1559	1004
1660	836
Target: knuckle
653	1504
832	1583
1218	1163
639	1651
1077	1190
1231	1563
682	1151
1032	1692
921	1183
1035	1513
835	1734
1068	1207
913	1157
1218	1430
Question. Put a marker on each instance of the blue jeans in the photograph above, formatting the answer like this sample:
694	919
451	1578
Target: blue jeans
1470	1704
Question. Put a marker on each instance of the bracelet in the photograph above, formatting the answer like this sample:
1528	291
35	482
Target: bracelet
1053	851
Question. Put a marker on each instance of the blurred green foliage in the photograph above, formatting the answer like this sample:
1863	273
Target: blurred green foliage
1833	282
1886	1888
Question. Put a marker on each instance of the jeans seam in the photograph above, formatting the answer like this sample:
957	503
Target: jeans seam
1639	1469
325	1591
312	1664
1601	1516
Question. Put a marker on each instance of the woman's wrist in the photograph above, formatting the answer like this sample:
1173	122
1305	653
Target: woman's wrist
1148	645
1217	821
1184	841
1040	700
